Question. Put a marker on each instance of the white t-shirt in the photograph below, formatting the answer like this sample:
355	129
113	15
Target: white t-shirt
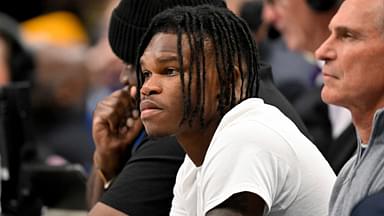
256	149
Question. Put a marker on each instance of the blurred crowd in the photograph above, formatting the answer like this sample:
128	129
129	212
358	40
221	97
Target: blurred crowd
70	68
59	53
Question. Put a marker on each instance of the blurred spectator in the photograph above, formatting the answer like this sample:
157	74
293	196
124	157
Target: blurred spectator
304	26
58	38
235	5
59	42
58	106
290	69
103	65
87	11
60	28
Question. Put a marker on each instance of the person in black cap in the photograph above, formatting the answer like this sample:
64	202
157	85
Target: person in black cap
143	170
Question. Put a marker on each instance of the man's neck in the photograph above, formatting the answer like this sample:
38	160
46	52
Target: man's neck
196	142
363	122
362	118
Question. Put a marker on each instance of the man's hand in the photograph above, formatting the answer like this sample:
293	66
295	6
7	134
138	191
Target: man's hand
116	124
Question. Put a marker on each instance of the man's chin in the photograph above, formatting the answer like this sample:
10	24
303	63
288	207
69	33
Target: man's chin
328	98
155	133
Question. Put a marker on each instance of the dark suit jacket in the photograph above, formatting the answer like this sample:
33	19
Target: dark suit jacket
372	205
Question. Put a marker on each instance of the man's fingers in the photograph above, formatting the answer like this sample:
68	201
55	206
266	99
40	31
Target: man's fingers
133	91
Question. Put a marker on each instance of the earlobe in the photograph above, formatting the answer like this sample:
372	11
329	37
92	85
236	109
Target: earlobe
236	72
238	80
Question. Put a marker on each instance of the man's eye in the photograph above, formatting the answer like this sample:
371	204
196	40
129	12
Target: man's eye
146	74
171	71
346	36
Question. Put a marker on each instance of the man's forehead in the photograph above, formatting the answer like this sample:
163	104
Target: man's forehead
167	42
354	13
161	49
163	42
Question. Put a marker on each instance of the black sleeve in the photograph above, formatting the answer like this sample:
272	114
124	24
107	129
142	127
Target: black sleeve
145	185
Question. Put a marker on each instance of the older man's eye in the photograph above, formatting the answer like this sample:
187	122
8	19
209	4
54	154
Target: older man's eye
347	35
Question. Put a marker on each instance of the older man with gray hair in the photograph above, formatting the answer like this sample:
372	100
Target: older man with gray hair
353	78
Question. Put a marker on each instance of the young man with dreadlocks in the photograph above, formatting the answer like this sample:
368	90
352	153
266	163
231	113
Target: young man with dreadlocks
143	169
198	81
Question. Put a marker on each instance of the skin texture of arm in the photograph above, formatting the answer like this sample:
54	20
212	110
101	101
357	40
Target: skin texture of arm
240	204
101	209
95	188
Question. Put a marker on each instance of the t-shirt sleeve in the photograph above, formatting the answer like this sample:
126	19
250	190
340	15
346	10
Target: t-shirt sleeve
144	186
249	159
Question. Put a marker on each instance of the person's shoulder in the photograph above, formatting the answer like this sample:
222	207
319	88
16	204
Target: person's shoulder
257	136
254	118
252	110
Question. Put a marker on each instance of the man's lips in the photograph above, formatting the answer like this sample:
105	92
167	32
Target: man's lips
147	104
328	75
148	107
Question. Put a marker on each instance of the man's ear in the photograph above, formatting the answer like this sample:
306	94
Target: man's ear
237	74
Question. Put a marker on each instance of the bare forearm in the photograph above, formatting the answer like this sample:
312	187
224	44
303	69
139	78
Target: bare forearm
95	188
223	212
240	204
101	176
101	209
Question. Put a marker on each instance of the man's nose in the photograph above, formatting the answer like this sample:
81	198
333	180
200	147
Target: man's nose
326	51
268	13
151	86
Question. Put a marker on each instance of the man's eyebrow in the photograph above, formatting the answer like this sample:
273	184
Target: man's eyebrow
168	58
163	59
344	29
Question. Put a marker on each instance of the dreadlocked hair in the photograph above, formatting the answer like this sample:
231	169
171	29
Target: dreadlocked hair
232	44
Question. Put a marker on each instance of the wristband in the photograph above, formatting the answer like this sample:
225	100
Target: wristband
106	183
100	173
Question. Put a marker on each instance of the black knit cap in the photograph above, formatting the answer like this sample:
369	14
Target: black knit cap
131	18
